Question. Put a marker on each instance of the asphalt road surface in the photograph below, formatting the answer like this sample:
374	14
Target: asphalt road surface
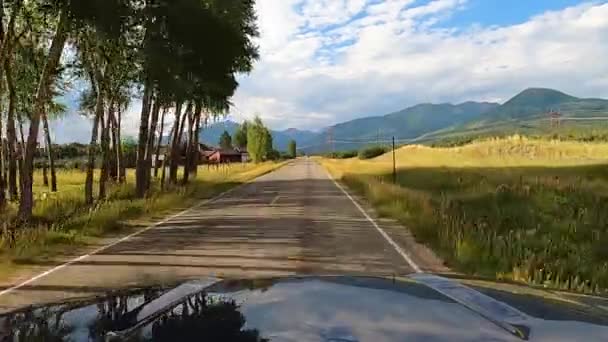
295	220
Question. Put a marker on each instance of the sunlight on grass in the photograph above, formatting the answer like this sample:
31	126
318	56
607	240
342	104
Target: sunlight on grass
528	210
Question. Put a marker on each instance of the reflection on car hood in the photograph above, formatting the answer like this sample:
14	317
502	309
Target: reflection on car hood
420	307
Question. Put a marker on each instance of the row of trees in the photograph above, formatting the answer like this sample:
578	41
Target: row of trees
180	57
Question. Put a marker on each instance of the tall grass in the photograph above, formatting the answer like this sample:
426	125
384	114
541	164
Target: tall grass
62	220
526	210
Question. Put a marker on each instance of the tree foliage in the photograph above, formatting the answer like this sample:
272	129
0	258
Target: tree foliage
240	136
225	141
291	149
178	56
258	140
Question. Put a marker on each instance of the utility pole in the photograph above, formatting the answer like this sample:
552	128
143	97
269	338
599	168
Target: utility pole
330	139
394	163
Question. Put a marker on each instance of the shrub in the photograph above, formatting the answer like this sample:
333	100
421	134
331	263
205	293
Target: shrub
342	154
372	152
273	155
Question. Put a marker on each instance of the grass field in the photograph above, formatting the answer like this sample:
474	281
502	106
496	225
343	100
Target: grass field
64	222
527	210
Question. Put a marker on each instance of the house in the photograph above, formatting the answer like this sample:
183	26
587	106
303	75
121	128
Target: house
225	156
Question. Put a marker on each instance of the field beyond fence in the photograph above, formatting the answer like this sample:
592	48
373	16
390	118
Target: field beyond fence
64	224
528	210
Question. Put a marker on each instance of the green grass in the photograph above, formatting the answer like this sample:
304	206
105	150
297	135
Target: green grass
528	210
63	223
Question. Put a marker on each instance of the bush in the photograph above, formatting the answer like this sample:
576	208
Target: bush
372	152
342	154
273	155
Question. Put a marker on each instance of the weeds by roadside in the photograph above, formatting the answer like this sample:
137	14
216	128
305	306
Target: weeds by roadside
543	225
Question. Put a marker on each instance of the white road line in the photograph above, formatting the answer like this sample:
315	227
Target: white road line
274	201
388	239
82	257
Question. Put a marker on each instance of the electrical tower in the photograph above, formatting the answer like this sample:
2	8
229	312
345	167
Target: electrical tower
330	139
555	117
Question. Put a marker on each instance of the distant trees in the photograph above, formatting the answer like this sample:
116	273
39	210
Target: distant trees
291	149
372	152
225	141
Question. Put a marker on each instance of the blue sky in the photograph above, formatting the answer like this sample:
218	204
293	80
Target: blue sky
501	12
329	61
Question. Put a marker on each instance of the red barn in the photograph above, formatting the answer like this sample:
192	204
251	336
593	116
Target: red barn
225	156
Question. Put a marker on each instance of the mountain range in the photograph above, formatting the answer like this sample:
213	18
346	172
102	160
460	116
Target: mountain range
526	111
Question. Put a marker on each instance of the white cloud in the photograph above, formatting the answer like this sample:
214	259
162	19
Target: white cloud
329	61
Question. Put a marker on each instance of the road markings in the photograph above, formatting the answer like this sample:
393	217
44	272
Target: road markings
274	201
388	239
101	249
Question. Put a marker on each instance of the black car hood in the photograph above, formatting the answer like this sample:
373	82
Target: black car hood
416	308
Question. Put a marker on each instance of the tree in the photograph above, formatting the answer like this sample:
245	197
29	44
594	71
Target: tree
291	148
193	51
70	16
46	78
225	141
257	140
268	143
240	136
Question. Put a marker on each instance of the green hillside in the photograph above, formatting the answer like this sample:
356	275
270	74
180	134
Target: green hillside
537	102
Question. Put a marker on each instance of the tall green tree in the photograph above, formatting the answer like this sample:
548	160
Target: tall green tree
193	50
291	148
225	141
257	140
70	16
240	136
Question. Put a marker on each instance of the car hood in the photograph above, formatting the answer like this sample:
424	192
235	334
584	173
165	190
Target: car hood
419	307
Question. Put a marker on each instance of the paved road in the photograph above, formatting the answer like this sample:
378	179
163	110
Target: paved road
291	221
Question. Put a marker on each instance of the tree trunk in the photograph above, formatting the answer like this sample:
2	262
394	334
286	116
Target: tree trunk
141	172
88	187
45	175
160	140
99	107
122	171
152	135
197	129
189	143
165	160
116	144
2	158
48	73
175	155
11	136
49	150
7	43
105	155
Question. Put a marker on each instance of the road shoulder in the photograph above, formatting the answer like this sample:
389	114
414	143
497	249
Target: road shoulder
421	255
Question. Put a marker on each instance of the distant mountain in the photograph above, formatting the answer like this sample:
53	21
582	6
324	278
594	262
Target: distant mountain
534	102
409	123
525	113
211	134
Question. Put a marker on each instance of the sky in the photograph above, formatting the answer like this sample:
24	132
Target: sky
329	61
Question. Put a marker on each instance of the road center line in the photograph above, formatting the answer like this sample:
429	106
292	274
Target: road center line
388	239
82	257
